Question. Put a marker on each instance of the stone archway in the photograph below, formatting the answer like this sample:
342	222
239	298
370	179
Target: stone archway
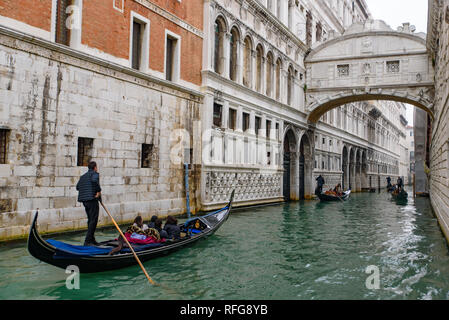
305	168
351	169
358	172
365	185
290	166
345	168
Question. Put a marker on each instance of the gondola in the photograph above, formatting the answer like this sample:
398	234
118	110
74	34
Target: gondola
399	196
96	259
328	197
390	188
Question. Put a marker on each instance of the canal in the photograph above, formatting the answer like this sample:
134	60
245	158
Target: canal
300	250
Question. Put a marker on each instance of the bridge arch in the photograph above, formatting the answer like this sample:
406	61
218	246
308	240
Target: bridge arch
369	61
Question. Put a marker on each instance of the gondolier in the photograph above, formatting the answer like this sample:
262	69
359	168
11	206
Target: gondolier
89	193
319	184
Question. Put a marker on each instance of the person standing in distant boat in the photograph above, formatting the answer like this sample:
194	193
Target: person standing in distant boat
89	193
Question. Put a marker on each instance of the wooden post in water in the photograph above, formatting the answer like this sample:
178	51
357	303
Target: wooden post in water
414	186
186	171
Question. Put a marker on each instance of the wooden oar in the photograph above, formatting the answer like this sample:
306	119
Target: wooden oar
129	245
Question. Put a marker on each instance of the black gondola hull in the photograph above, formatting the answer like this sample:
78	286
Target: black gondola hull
43	251
326	197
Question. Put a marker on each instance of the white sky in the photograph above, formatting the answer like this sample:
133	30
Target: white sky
394	13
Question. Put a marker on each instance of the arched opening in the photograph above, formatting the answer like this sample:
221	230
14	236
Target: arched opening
290	85
220	31
247	62
278	79
233	53
269	71
365	186
259	61
289	165
351	170
305	168
358	172
344	169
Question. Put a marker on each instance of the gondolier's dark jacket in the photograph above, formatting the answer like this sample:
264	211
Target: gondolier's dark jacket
88	186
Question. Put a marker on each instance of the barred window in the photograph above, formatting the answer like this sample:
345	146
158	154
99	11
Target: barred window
343	70
393	66
4	136
147	153
217	115
85	148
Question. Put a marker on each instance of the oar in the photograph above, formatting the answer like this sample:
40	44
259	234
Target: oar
129	245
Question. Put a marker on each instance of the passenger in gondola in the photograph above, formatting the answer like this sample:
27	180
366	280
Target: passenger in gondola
152	221
158	227
388	182
138	222
319	184
338	191
172	228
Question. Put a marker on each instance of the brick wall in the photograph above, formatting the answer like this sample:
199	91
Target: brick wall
36	13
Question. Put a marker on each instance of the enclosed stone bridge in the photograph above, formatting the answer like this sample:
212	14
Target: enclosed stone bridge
369	62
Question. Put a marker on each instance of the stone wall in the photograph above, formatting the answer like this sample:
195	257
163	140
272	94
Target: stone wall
439	152
49	96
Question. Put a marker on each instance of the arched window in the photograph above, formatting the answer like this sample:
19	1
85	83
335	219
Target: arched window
259	57
269	71
278	79
289	85
247	62
220	29
233	55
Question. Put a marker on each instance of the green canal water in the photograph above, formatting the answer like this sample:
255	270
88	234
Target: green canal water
301	250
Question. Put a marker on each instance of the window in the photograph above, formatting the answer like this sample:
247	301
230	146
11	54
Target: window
319	31
85	148
4	137
217	115
278	134
268	129
411	133
278	79
269	71
268	158
232	119
218	45
393	66
147	153
245	121
62	34
136	45
309	28
343	70
259	55
169	58
247	62
233	54
289	85
258	125
324	140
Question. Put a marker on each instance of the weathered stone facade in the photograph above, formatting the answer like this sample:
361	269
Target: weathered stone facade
51	95
438	44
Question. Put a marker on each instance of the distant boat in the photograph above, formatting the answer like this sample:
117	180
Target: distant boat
96	259
399	195
329	197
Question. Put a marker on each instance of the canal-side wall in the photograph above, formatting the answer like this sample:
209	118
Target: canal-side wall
50	95
439	151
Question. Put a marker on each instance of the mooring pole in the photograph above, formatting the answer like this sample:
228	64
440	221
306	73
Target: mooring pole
186	171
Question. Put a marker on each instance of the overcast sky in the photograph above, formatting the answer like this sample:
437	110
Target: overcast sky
394	13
